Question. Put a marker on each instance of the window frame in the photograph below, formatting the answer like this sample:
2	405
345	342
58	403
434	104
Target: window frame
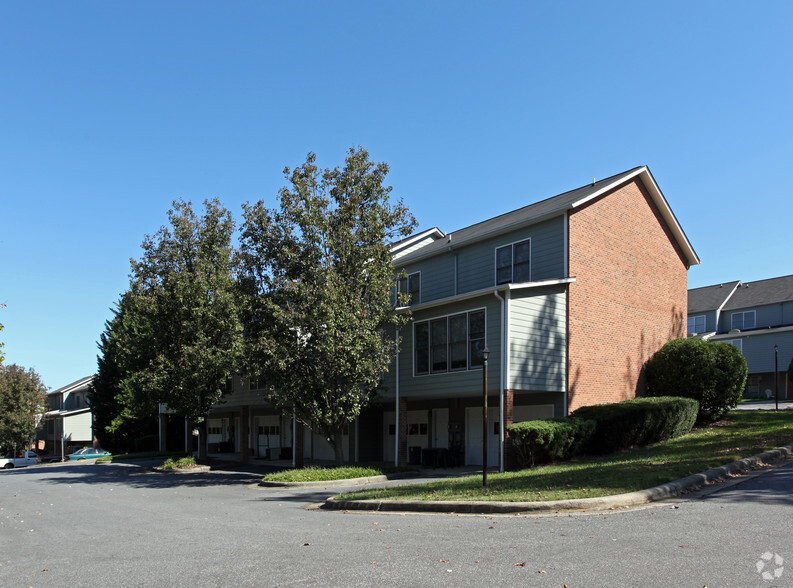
426	350
738	343
408	280
512	262
694	318
743	314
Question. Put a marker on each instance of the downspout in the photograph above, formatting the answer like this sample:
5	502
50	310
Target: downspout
396	430
502	375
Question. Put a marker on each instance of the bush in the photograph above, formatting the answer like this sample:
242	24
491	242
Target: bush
549	439
637	422
181	463
712	373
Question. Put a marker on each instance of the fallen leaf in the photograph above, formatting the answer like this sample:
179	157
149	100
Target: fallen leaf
522	564
685	546
491	527
541	572
388	547
444	561
305	544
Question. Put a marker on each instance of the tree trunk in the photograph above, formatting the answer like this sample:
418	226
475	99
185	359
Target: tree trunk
202	440
336	441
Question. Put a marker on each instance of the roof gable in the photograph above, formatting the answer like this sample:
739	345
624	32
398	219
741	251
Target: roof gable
556	205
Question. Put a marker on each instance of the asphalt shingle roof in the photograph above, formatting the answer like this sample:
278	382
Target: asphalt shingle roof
709	297
762	292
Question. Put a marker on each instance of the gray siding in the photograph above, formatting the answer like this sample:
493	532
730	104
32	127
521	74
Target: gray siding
759	351
476	265
538	340
769	315
451	384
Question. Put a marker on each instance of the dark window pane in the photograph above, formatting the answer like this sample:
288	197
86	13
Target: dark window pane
504	264
439	345
422	347
414	288
458	335
521	263
476	337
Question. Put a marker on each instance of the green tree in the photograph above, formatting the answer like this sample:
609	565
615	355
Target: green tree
122	410
2	357
318	277
23	400
183	298
712	373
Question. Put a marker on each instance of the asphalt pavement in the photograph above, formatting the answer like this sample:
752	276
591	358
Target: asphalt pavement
125	525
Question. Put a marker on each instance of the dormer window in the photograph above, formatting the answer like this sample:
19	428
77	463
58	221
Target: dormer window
411	285
513	263
743	320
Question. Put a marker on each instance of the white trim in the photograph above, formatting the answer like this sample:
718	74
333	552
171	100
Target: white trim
754	333
407	242
485	292
724	302
566	244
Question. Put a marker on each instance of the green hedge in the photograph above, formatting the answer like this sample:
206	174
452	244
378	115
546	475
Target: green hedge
637	422
548	439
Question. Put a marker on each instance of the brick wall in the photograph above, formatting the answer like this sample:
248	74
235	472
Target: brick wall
629	297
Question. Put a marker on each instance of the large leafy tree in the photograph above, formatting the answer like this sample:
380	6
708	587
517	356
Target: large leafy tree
23	400
183	298
318	278
123	411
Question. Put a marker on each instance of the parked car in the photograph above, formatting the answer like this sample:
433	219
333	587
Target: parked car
19	460
87	453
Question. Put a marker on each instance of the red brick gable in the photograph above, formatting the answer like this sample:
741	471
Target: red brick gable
629	297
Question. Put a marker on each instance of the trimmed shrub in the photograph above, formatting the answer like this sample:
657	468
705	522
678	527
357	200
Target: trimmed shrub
714	374
637	422
549	439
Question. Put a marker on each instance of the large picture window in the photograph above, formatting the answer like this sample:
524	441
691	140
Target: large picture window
513	263
450	343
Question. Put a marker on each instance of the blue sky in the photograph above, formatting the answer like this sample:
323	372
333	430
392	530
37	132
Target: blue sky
109	111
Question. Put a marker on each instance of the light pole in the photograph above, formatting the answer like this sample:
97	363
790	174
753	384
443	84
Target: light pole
485	354
776	376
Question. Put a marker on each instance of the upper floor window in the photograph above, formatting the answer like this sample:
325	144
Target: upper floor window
696	324
512	262
410	285
743	320
449	344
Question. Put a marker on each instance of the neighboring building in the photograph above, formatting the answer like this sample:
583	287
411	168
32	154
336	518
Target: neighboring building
68	422
756	317
571	296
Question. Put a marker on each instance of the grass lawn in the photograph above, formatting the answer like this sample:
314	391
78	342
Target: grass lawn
742	434
322	474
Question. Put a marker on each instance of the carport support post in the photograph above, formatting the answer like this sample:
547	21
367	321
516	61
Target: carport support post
776	376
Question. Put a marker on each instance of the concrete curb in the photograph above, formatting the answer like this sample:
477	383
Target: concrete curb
347	482
200	469
668	490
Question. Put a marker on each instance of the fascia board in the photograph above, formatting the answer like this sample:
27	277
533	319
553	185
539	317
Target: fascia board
753	333
484	292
